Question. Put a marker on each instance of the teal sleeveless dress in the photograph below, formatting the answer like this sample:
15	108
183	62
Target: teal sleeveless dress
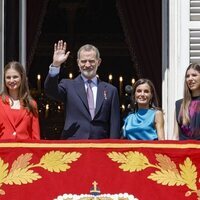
140	125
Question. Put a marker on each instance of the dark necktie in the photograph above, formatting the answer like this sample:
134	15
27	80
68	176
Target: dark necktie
90	98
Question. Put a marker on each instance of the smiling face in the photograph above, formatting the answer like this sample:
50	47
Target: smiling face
143	95
12	80
88	63
193	81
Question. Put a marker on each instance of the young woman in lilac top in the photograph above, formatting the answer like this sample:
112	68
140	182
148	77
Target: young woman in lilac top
187	113
146	121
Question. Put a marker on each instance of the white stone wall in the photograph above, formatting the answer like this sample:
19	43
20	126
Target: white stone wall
175	56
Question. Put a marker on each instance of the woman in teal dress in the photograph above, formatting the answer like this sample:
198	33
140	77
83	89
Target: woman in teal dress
146	121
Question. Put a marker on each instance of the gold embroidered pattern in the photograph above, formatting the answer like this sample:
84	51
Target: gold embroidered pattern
166	171
21	170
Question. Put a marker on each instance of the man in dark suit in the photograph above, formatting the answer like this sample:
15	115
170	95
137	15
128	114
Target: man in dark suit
83	121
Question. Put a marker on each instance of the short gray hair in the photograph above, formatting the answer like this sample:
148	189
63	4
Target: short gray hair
88	47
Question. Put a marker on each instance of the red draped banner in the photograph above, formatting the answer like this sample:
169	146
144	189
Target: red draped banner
166	170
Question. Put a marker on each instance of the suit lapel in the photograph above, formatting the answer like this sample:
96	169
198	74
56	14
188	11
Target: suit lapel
80	89
21	114
101	95
7	112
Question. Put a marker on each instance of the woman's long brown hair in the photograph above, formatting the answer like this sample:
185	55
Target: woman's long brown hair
187	97
24	94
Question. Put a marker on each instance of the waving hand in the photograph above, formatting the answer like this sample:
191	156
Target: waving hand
59	55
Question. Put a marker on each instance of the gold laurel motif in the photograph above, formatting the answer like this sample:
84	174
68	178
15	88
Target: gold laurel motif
166	172
21	170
